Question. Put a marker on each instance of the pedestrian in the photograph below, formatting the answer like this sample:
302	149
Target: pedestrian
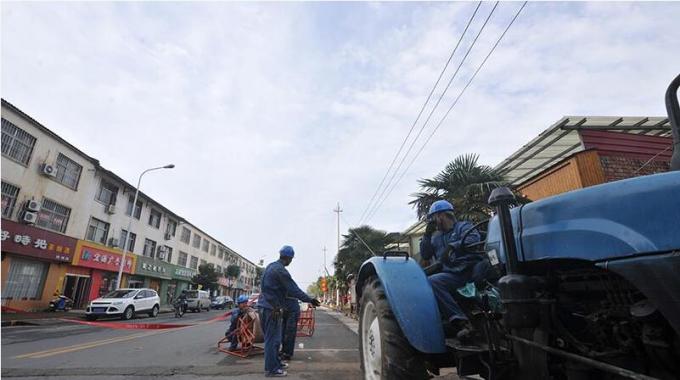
276	284
351	286
291	316
444	234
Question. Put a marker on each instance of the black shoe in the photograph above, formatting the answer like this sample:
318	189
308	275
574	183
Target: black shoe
459	328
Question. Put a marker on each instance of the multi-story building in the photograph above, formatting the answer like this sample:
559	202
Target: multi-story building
64	223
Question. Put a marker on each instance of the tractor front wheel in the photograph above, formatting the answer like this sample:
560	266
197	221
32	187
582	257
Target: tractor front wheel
385	351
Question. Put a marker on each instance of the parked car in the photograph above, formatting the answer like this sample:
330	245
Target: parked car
198	300
124	303
252	300
222	302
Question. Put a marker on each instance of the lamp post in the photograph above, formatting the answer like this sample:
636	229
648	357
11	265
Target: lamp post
132	212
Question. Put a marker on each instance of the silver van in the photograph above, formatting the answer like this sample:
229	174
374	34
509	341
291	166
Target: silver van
198	300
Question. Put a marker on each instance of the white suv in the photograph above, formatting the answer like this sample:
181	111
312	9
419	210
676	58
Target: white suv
124	302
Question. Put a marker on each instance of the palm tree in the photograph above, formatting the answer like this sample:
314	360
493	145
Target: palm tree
466	184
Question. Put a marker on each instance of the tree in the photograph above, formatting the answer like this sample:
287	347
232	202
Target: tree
466	184
206	277
353	252
258	275
233	271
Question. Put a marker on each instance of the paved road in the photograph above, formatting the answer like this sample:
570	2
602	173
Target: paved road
62	350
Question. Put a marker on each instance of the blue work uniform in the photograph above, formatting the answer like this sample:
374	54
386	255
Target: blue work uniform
290	321
233	323
276	284
457	271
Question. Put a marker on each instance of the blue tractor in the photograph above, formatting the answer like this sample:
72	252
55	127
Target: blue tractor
583	285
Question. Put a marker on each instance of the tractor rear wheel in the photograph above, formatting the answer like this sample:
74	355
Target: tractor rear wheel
385	351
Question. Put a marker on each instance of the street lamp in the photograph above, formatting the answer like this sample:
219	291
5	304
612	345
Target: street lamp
132	212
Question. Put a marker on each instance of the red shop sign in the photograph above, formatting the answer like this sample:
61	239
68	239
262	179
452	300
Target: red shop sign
27	240
92	255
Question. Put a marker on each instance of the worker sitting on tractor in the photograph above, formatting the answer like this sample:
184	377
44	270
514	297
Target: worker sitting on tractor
242	311
442	241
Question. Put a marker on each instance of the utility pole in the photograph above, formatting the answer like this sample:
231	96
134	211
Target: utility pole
324	260
337	210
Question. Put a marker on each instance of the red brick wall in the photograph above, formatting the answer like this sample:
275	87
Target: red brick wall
621	167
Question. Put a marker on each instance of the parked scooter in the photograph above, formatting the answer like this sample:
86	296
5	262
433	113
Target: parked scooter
61	303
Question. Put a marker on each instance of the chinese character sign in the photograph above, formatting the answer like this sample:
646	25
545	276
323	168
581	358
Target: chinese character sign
28	240
94	256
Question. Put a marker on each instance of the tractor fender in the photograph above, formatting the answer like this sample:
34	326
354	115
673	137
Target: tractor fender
411	298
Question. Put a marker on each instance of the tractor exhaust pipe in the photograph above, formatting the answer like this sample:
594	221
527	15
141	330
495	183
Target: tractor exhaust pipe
673	111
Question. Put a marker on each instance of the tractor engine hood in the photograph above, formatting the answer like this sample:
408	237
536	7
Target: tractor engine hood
614	220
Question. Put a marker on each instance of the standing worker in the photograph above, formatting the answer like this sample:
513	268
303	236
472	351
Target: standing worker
290	320
276	284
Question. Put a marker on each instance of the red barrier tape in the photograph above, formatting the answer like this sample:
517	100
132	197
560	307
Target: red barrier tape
143	326
7	309
128	326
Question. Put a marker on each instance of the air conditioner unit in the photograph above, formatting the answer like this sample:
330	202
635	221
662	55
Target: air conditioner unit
29	217
48	170
168	236
110	209
113	242
32	205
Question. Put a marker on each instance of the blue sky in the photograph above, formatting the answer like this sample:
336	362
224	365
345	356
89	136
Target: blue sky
273	112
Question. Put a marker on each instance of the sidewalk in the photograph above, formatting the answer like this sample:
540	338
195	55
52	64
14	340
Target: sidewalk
37	318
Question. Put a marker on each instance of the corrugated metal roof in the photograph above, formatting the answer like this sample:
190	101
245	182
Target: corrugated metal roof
562	140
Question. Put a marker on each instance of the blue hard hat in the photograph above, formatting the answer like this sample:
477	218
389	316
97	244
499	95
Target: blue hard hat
440	206
242	298
287	251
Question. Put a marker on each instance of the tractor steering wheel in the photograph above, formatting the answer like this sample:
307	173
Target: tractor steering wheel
476	247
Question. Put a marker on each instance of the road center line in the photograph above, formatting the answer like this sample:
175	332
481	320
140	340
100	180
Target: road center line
84	346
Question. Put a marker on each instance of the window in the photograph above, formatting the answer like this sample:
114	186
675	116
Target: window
97	231
213	250
149	248
68	171
138	207
171	227
155	218
168	253
197	241
206	245
186	235
221	254
107	193
182	259
9	199
53	216
17	144
26	279
194	262
203	262
132	238
219	270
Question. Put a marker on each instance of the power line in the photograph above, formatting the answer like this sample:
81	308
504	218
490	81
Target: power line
452	105
368	206
354	231
448	85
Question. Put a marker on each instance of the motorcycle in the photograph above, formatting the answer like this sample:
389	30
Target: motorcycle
61	303
180	308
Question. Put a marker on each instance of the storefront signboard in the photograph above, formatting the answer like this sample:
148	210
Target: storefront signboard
154	268
184	274
31	241
93	255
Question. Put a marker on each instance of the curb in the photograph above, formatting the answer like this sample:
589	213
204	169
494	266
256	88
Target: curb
37	321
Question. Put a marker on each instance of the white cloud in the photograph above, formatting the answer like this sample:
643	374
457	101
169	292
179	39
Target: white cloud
273	112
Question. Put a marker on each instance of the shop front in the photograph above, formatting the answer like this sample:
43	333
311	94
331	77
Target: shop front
223	288
157	275
34	262
101	264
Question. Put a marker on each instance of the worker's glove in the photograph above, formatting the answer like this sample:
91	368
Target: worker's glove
315	302
430	228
